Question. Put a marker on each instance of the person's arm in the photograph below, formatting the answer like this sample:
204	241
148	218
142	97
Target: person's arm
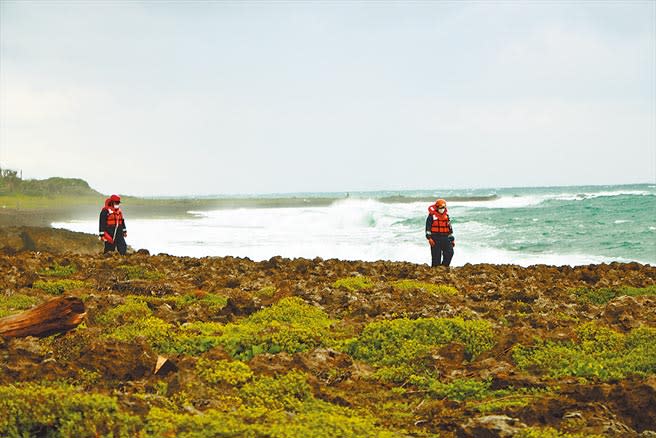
102	225
429	235
429	223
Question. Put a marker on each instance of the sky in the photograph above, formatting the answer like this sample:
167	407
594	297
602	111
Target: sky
168	98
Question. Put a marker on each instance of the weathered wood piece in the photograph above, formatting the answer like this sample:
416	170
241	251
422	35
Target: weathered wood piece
54	316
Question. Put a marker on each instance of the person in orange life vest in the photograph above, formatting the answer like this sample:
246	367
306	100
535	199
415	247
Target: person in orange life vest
112	226
439	234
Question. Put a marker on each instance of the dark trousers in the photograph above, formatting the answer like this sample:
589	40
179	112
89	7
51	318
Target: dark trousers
118	245
442	252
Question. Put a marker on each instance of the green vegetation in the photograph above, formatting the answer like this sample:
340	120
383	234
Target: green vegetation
289	369
495	405
16	302
213	423
57	270
290	325
266	292
156	331
264	407
487	401
269	407
601	296
284	393
460	389
135	319
60	410
140	273
357	283
403	348
291	394
58	287
549	432
434	289
481	398
11	183
600	354
212	303
223	371
354	283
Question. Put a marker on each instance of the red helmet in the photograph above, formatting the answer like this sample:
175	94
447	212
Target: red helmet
440	203
115	198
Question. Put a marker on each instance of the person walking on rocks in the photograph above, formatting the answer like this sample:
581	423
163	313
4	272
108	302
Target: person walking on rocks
439	234
112	226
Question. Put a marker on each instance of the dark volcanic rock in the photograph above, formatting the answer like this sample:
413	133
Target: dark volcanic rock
523	306
56	241
116	360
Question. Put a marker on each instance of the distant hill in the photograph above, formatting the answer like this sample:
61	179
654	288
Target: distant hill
12	184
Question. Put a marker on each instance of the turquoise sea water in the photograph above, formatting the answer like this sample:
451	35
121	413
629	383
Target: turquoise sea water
615	226
552	225
615	222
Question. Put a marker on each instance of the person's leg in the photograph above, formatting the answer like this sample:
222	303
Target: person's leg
109	247
121	246
435	255
447	250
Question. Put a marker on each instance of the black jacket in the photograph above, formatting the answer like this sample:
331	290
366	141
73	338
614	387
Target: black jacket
103	227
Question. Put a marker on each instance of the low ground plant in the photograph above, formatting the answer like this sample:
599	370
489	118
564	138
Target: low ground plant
266	292
282	406
402	349
550	432
460	389
600	296
270	407
433	289
140	273
223	371
60	410
290	325
16	302
134	318
353	284
598	353
211	302
58	270
58	287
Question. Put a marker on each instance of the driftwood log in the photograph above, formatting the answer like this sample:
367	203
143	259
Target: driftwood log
54	316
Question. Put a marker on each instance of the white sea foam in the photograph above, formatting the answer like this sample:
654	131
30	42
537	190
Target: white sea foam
609	193
349	230
503	202
522	201
367	229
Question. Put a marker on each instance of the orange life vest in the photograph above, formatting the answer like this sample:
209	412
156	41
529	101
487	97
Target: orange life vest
114	218
441	224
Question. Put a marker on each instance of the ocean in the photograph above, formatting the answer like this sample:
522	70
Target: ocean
525	226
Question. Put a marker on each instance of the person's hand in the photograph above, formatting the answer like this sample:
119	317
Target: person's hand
453	243
125	234
107	238
431	241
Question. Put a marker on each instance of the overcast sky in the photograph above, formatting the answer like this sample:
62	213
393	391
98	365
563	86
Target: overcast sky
182	98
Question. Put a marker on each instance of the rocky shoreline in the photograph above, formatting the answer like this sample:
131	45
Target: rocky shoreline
304	347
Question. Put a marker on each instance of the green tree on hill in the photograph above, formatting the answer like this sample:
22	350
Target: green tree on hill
11	184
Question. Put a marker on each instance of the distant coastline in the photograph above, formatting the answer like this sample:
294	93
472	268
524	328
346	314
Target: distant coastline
41	202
